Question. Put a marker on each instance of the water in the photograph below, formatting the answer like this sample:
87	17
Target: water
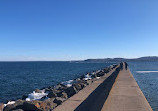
146	75
20	78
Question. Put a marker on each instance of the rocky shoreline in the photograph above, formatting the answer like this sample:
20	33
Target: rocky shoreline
50	97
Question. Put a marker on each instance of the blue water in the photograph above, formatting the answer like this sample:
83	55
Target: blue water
19	78
147	81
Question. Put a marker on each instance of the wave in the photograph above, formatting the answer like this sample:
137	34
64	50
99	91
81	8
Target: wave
68	83
9	103
146	71
36	96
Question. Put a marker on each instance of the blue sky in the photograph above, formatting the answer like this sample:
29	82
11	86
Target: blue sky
77	29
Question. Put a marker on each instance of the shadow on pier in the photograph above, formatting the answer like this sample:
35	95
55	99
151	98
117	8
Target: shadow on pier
97	98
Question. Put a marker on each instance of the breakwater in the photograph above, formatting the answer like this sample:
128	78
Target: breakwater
50	97
117	91
92	97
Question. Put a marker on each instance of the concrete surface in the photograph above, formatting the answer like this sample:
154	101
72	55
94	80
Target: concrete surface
126	95
86	99
113	92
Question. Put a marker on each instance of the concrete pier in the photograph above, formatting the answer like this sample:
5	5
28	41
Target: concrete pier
116	91
126	95
92	97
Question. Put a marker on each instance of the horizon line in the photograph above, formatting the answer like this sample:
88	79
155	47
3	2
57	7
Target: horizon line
70	60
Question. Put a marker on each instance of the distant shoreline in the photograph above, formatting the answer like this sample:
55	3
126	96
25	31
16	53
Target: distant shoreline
140	59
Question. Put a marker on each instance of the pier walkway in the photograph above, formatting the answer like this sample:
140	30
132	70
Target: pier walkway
116	91
126	95
92	97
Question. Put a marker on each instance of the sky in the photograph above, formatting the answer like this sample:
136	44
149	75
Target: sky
32	30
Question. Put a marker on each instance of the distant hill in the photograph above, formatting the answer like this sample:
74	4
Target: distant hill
149	58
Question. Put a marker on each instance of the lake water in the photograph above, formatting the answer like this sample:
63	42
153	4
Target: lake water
21	78
146	75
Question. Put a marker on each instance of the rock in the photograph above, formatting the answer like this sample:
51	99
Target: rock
100	74
17	105
114	66
83	83
94	79
38	91
77	79
1	106
106	70
18	110
24	97
71	91
60	87
59	100
77	86
94	76
49	88
43	98
48	104
32	105
36	105
62	95
82	77
52	93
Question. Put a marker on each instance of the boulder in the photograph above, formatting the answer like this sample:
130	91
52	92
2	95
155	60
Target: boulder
52	93
24	97
71	91
1	106
100	74
18	110
59	100
82	77
43	98
38	91
32	105
77	79
49	88
94	76
62	95
82	81
17	105
48	104
36	105
106	70
77	86
60	87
